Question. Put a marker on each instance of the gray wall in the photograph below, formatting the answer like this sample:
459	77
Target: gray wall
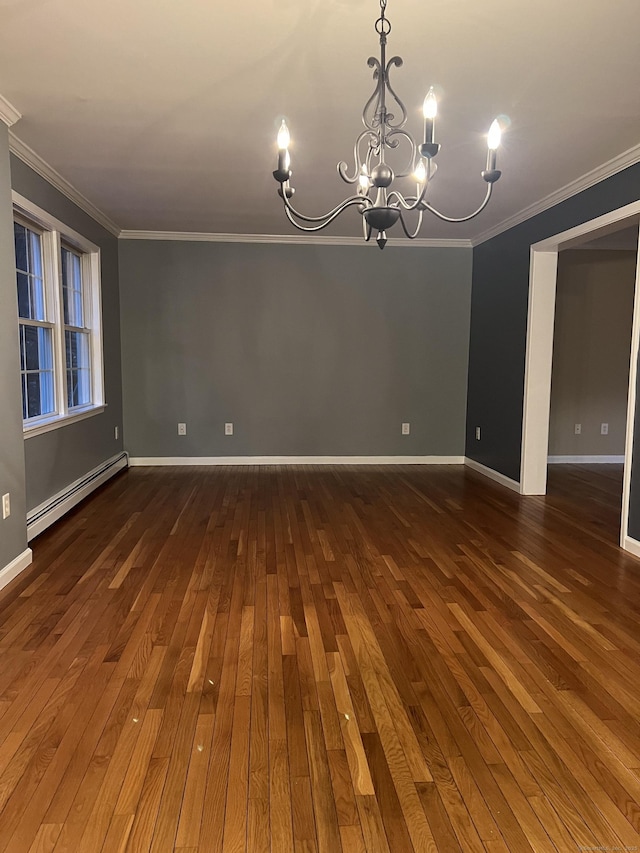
499	319
58	458
591	347
13	531
308	350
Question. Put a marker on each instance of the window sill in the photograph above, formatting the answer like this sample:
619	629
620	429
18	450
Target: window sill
58	421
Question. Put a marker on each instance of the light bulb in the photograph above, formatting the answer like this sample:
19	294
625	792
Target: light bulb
420	173
494	135
430	105
283	136
363	180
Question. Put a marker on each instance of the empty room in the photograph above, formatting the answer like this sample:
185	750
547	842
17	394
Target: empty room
319	338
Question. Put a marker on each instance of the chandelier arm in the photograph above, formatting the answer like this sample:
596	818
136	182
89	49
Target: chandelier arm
411	202
411	236
331	215
426	206
342	166
291	214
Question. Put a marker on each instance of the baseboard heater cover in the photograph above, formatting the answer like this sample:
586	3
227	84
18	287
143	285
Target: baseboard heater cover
51	510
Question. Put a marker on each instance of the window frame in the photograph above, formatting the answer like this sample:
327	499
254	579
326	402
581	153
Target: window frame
55	235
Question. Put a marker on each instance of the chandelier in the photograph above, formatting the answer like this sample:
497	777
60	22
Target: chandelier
379	202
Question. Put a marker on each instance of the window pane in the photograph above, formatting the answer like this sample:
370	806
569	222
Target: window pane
65	286
45	345
35	254
71	349
47	402
24	396
21	337
78	387
24	301
32	348
84	387
38	350
77	344
72	288
37	298
72	388
33	394
20	239
76	269
39	394
78	311
78	369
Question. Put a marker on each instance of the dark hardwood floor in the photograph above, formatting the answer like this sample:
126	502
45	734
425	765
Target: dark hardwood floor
324	659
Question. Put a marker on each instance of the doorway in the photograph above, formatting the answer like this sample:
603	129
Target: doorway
539	353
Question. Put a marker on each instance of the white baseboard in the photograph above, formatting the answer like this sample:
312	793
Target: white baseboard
589	460
51	510
138	461
631	545
493	475
13	569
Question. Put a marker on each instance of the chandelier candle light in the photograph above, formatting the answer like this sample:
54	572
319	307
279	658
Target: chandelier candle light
380	205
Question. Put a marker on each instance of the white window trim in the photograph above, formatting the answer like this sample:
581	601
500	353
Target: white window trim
55	233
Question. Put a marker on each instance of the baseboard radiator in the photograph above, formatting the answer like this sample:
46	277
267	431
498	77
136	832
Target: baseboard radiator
51	510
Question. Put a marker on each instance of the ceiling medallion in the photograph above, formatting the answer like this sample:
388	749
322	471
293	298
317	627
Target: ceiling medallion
380	204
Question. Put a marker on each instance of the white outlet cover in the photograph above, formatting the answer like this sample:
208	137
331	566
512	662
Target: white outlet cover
406	429
6	506
182	429
228	429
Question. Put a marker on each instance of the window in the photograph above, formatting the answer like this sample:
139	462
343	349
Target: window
58	282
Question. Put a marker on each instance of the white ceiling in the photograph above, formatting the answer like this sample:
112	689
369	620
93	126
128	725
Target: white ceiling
164	114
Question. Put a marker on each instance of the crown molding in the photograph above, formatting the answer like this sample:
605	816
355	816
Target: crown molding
8	113
287	239
35	162
606	170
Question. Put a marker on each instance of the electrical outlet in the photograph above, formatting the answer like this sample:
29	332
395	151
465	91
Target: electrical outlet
406	429
6	505
604	429
116	433
228	429
477	433
577	429
182	429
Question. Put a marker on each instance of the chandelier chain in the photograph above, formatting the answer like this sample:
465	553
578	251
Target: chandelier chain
383	25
